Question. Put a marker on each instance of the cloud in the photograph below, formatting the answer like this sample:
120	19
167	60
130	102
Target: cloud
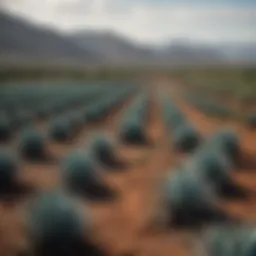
144	21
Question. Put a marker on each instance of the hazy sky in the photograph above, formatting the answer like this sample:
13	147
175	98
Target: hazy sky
150	21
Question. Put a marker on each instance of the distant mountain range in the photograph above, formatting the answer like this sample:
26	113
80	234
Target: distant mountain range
22	42
112	47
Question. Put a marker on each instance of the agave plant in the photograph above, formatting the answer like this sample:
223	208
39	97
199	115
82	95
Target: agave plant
133	125
230	240
173	117
76	120
251	121
5	129
93	113
56	225
102	149
213	167
101	146
133	132
228	143
186	138
61	129
189	199
209	107
17	119
43	112
8	170
250	247
32	144
80	175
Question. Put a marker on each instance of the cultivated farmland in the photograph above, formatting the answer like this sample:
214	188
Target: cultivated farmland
124	169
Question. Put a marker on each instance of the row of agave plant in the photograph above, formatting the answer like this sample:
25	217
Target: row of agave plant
190	196
208	106
212	108
185	137
57	225
81	174
33	143
21	105
192	191
133	124
64	127
28	106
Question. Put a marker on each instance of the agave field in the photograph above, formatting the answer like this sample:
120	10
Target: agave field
120	169
223	93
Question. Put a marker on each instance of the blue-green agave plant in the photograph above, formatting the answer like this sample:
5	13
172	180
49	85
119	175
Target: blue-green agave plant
186	138
32	144
56	224
8	170
79	173
61	129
